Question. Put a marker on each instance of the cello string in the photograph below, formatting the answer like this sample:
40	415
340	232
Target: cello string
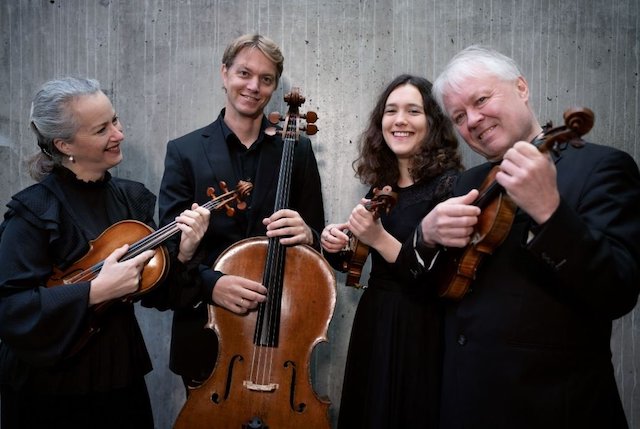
273	269
279	250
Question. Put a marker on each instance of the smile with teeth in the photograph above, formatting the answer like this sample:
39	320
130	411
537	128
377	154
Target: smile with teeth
401	133
488	130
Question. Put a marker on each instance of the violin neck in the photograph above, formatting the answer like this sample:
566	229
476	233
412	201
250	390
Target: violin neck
151	241
161	235
488	195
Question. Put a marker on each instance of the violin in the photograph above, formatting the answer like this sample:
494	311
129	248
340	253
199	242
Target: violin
498	210
355	252
140	238
261	378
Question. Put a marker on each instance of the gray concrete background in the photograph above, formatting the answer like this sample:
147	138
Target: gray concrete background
159	62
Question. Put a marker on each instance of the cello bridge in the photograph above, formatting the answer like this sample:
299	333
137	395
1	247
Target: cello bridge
271	387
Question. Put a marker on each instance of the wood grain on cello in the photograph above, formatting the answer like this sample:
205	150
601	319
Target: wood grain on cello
262	377
498	210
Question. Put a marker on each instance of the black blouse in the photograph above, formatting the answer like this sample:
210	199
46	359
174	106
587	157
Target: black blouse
50	224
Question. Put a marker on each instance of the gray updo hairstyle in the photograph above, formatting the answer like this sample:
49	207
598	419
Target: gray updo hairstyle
50	119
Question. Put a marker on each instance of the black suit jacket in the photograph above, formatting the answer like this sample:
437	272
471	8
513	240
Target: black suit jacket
529	345
193	163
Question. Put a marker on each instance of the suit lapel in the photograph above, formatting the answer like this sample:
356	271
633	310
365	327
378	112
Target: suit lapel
221	167
218	157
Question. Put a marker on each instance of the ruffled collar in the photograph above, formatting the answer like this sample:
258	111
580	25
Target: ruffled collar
70	177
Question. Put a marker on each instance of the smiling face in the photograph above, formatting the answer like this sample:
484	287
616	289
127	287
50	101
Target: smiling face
249	83
404	123
491	114
95	147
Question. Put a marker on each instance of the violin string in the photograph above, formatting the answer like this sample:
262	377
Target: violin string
154	239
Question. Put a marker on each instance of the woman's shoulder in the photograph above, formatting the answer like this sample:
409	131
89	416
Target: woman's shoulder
138	197
131	186
38	198
36	204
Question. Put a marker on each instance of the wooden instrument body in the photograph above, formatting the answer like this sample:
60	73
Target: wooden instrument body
271	383
117	235
355	261
87	268
140	237
498	210
456	278
356	252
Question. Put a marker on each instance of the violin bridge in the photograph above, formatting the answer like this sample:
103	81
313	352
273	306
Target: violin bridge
271	387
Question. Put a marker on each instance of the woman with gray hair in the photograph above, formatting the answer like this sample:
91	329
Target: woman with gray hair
48	227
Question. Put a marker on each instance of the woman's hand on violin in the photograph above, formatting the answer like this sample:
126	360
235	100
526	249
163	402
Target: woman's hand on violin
333	238
364	226
451	222
289	226
529	177
117	279
193	224
238	294
370	231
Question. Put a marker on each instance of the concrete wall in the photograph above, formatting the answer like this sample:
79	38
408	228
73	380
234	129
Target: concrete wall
159	62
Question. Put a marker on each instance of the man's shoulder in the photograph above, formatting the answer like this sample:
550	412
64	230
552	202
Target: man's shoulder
198	134
592	153
303	144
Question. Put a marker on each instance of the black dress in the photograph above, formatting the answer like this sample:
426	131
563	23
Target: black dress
393	364
50	224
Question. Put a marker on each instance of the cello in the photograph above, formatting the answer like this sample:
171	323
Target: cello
140	237
261	378
498	210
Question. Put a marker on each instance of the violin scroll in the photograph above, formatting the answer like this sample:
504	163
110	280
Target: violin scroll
243	189
578	121
383	201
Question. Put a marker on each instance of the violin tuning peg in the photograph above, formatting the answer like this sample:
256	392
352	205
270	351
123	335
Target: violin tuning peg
274	117
211	193
270	131
311	117
310	129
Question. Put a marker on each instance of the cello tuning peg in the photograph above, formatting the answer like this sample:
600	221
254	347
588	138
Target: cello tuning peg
310	129
310	117
270	131
274	117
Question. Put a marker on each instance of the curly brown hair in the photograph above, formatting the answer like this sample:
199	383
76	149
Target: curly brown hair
377	165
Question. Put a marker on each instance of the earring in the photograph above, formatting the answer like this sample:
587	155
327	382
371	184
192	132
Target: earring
71	159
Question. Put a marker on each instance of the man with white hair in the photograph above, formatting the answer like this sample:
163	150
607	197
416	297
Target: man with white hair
528	346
